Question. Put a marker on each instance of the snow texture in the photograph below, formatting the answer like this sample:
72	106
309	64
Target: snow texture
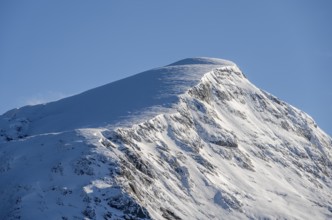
191	140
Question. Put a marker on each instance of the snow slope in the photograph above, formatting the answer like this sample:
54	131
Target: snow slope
191	140
116	102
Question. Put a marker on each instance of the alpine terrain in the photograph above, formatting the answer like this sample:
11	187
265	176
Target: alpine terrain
191	140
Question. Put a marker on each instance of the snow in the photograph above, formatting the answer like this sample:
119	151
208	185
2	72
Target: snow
203	61
153	92
191	140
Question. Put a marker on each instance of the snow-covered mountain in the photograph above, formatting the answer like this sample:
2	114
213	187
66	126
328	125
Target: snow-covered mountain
191	140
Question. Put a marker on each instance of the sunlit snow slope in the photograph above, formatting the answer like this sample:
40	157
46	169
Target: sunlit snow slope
191	140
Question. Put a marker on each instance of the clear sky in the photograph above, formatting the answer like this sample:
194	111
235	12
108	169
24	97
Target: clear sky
52	49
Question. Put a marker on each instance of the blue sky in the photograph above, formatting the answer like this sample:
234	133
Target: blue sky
52	49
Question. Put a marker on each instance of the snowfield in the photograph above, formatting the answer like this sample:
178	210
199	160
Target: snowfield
191	140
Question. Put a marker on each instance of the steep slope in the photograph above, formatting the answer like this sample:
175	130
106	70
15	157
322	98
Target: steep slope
192	140
122	102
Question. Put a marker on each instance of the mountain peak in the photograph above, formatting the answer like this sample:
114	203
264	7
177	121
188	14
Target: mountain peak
134	98
203	141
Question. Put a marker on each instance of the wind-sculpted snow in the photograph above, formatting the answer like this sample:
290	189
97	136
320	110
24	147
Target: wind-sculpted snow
219	148
125	101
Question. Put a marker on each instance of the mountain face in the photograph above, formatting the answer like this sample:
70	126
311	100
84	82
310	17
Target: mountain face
191	140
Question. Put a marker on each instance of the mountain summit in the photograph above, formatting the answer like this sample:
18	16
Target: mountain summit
117	101
191	140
